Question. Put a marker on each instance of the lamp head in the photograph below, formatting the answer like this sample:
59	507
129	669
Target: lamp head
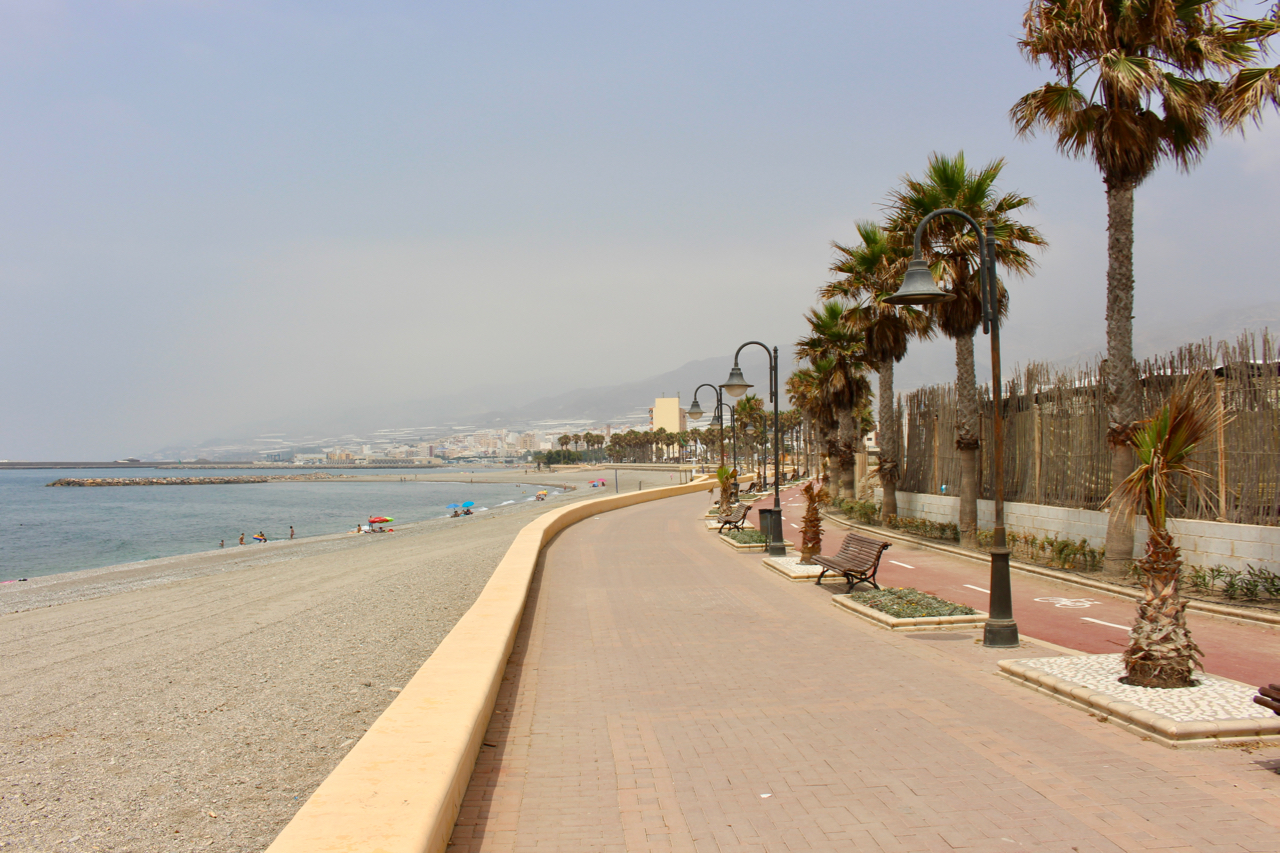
736	385
694	412
918	287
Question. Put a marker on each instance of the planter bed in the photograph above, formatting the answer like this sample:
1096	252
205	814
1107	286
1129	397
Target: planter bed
850	602
747	546
1217	711
789	567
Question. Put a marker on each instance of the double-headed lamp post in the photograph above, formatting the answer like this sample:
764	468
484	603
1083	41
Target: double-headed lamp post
736	386
695	411
919	288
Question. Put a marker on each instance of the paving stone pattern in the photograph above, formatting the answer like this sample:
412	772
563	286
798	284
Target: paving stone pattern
1212	699
667	693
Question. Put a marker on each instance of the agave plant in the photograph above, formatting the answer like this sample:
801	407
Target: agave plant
811	533
1161	652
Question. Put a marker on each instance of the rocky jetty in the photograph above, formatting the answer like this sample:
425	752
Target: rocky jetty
189	481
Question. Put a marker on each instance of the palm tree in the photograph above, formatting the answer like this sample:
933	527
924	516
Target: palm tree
1138	82
951	245
845	388
563	441
1161	652
872	272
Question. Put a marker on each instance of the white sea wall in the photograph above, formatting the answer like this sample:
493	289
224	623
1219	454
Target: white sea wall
1203	543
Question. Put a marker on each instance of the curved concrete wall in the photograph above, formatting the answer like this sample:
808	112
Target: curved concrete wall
400	787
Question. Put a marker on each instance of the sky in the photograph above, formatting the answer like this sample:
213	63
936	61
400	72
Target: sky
214	214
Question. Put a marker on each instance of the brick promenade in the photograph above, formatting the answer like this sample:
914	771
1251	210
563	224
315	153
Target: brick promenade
669	694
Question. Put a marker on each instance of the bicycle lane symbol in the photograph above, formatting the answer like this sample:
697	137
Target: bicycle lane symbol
1069	602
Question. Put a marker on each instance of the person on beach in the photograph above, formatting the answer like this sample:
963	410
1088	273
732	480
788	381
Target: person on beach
241	538
456	514
222	543
290	531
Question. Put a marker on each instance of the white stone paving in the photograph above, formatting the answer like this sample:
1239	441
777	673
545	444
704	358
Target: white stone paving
1213	698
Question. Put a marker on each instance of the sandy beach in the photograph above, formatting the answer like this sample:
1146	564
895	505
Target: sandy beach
194	702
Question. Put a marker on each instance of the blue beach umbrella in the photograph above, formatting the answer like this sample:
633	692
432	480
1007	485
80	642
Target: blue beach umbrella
466	504
454	506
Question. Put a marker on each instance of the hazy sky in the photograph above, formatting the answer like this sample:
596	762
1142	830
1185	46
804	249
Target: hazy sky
218	212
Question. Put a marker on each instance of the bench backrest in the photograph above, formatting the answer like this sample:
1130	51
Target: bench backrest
861	551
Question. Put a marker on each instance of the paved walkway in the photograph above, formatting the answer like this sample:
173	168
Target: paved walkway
1054	611
668	693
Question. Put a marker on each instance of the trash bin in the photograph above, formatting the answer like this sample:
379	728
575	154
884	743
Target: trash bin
771	527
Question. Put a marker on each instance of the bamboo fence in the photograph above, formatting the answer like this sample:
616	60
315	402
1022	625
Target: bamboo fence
1056	433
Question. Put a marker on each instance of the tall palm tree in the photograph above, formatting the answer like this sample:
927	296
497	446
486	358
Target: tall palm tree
1161	652
804	391
871	273
951	245
1138	82
845	387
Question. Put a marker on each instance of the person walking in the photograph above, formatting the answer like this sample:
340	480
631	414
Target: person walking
290	531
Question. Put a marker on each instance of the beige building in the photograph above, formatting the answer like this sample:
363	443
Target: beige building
667	414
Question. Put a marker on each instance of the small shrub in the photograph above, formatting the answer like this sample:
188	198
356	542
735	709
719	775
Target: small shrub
1251	585
747	537
908	603
1231	584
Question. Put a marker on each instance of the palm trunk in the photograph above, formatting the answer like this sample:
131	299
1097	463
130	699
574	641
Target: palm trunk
848	441
967	440
1120	375
888	444
1161	652
831	440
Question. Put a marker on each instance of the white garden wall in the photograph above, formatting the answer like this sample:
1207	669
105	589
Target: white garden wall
1203	543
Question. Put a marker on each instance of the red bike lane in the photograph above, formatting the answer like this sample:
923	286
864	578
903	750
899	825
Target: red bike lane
1067	615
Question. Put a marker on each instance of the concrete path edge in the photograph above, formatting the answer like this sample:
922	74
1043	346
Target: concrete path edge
401	786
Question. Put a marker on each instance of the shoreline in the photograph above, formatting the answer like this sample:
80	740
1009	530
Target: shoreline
196	701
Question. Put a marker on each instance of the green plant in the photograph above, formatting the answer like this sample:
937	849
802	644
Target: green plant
1199	579
1270	581
908	603
1250	585
747	537
1231	584
865	512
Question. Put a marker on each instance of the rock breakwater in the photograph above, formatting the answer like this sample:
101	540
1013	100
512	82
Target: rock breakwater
189	481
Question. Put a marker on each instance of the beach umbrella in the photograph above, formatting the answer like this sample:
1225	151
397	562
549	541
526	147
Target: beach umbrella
380	519
466	504
543	492
454	506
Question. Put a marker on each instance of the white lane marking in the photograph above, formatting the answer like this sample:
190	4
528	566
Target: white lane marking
796	526
904	565
978	588
1068	602
1108	624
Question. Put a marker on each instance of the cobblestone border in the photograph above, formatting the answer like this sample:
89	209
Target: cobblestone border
790	568
917	623
1141	721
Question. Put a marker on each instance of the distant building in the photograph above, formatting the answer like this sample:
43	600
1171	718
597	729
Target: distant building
667	414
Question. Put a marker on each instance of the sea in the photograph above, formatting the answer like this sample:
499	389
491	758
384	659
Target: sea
45	530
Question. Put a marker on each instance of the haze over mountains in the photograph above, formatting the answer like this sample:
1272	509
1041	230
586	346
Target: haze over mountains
547	406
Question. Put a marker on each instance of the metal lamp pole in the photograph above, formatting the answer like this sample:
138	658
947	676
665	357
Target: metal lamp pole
736	386
919	288
695	411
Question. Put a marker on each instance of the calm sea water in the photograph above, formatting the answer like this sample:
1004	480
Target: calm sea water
44	530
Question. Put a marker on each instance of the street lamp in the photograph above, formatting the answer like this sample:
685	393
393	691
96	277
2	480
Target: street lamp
919	288
736	386
695	413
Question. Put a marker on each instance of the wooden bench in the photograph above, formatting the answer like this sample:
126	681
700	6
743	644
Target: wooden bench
736	518
857	561
1269	697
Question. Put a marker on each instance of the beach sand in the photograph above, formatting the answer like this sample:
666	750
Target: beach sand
195	702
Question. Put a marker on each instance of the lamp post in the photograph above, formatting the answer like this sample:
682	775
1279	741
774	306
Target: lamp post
695	413
736	386
919	288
